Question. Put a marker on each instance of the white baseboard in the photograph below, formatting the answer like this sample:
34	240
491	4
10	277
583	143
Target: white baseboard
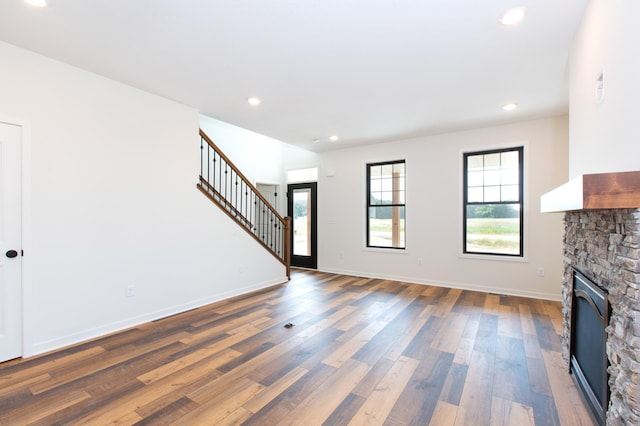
92	333
446	284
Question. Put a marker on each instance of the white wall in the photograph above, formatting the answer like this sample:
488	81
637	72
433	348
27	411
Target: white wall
605	137
113	202
434	198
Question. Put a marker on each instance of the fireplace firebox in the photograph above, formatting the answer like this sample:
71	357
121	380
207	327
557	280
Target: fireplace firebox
588	357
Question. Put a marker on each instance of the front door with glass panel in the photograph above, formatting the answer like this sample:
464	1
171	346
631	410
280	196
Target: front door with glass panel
302	209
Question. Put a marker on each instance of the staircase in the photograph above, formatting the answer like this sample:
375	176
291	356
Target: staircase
229	189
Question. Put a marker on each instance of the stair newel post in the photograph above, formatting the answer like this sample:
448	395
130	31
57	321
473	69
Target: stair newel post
287	245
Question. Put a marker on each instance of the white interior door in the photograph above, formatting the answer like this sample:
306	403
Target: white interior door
269	192
10	243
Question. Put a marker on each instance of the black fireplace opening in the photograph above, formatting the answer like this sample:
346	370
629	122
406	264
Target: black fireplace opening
589	317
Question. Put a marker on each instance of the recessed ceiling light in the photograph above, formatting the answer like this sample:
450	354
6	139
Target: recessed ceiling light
513	16
333	138
510	107
254	101
37	3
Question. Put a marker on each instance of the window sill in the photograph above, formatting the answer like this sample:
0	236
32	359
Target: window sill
385	250
494	257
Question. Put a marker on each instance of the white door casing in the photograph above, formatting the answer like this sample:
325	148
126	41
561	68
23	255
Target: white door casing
10	239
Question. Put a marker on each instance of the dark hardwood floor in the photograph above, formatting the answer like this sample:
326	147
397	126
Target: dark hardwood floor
361	351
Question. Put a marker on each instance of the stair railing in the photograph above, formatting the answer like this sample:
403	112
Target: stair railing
223	183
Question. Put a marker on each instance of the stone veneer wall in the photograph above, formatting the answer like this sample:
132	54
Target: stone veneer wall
605	246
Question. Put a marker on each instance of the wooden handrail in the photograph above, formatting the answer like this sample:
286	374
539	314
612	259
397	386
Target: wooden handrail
273	241
239	173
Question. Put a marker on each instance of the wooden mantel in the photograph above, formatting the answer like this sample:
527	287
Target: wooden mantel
595	191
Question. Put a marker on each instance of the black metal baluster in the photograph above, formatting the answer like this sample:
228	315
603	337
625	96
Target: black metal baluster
256	213
243	201
247	206
239	197
265	225
278	238
252	209
231	205
226	171
235	190
240	205
274	234
212	178
269	220
258	216
272	230
264	220
269	231
247	213
235	194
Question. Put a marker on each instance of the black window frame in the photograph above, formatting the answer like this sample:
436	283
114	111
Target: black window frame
370	205
466	203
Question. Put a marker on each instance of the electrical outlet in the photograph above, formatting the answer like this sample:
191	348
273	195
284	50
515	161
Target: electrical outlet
540	272
419	261
130	291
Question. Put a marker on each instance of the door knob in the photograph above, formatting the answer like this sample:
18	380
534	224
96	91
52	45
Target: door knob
11	253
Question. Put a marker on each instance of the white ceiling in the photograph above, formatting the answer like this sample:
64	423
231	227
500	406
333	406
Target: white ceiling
366	70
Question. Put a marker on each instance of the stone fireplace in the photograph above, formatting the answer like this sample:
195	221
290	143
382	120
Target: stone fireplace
602	240
605	244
